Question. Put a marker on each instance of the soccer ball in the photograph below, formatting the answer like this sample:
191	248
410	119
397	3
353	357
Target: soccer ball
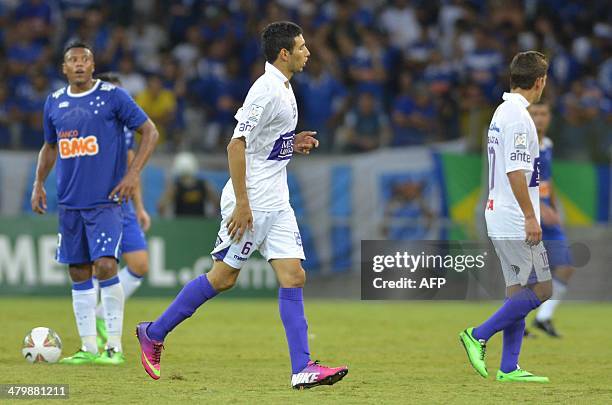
42	345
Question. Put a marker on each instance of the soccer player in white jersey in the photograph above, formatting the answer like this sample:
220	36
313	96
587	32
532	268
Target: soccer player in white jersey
512	215
255	210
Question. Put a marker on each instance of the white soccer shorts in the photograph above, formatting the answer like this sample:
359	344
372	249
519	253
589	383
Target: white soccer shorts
275	235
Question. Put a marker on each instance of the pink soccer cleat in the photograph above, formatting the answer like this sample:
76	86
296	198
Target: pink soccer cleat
150	351
316	374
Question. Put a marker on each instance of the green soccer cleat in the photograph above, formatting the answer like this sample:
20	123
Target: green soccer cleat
80	357
110	357
476	351
102	335
520	375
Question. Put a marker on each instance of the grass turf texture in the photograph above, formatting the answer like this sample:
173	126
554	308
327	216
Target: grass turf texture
234	350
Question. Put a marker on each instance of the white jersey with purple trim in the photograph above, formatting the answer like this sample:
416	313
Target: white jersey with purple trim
512	145
267	121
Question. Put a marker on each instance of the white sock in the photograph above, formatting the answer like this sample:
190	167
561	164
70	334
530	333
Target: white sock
99	310
547	309
84	306
111	295
129	282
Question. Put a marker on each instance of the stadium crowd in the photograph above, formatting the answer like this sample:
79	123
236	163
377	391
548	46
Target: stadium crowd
381	74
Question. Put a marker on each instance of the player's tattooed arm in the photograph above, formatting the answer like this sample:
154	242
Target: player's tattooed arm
144	220
128	185
46	160
242	217
518	183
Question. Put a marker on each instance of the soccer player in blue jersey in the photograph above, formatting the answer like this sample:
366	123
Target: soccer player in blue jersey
83	127
136	221
553	235
512	215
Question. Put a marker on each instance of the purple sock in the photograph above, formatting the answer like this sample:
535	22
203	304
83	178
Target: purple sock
194	293
291	308
514	309
513	338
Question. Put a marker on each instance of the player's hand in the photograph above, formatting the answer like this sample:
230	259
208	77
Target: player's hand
240	221
549	215
304	142
39	199
144	220
533	231
125	189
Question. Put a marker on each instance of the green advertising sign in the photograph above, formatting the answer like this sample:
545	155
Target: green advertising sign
178	251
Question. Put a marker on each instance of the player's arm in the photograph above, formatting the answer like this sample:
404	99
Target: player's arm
46	161
518	183
129	114
515	143
141	213
242	217
127	187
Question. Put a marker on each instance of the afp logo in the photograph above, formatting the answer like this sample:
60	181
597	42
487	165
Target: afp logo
76	147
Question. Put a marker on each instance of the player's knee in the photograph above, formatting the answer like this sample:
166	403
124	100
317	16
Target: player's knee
141	267
295	279
543	291
221	277
223	283
79	274
105	268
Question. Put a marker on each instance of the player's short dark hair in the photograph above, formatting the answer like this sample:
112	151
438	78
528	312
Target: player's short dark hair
111	77
526	67
76	44
279	35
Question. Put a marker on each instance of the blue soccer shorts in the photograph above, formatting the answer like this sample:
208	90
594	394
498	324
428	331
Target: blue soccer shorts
556	245
88	234
133	237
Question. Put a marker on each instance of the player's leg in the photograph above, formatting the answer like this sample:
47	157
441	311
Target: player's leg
194	294
560	260
104	230
283	249
229	257
136	258
305	373
135	255
517	262
84	306
72	249
540	284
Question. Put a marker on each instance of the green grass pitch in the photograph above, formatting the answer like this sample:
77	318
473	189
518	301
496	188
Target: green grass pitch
234	351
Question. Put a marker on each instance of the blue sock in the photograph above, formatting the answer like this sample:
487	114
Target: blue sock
193	295
291	308
513	338
514	309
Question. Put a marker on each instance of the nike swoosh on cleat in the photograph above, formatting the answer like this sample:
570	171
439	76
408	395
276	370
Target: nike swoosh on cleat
153	369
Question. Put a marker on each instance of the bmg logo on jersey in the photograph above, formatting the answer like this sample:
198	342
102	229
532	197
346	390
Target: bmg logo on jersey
75	147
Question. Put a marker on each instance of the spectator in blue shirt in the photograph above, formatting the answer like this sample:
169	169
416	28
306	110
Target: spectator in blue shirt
413	115
322	100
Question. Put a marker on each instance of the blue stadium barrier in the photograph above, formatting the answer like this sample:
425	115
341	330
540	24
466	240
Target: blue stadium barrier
340	210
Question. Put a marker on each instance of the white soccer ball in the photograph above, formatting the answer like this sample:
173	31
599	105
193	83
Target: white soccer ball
42	345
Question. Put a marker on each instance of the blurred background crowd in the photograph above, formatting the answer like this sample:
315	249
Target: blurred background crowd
382	73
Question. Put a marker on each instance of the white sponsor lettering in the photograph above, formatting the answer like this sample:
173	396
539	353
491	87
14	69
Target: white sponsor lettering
304	378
